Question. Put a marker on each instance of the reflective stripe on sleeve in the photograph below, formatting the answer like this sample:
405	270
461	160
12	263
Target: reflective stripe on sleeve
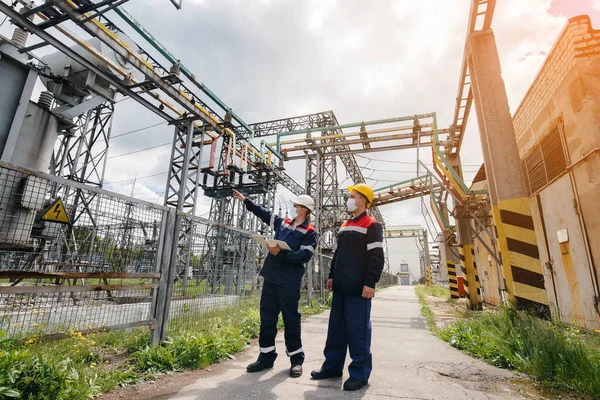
375	245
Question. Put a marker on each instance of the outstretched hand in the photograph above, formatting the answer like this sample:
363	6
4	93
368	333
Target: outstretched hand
238	196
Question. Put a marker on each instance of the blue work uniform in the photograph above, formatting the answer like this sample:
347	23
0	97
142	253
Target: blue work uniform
357	262
282	280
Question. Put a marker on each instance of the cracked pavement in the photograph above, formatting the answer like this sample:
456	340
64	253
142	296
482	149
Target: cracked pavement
408	363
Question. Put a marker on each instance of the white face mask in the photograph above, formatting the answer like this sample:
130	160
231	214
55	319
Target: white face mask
351	205
293	213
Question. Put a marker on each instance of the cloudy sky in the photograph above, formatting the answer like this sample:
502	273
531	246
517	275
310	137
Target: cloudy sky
271	59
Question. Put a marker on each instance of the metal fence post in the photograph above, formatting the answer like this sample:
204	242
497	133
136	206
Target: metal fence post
167	267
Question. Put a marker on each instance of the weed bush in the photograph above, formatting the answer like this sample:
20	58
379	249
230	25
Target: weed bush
560	356
32	376
433	290
73	368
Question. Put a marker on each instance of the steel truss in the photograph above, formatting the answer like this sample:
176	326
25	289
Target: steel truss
224	245
81	156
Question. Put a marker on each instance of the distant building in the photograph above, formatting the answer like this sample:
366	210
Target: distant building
404	274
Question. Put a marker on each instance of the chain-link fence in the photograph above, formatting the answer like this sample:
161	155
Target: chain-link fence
387	279
77	258
217	267
73	257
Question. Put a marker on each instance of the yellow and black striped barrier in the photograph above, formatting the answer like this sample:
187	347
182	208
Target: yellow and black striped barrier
452	279
428	277
521	258
477	282
469	273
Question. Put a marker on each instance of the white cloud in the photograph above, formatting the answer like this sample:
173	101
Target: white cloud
318	13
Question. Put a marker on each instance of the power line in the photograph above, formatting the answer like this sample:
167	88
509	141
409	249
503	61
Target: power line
13	5
397	222
395	170
126	98
138	130
141	150
405	162
138	178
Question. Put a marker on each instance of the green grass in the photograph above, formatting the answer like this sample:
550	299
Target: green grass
434	290
422	292
562	357
81	367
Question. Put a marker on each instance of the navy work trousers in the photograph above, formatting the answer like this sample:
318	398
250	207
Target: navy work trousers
276	299
349	327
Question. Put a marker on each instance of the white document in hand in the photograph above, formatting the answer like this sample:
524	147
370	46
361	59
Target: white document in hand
271	242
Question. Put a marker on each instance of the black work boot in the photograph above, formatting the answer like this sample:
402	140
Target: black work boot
318	374
353	384
296	371
258	366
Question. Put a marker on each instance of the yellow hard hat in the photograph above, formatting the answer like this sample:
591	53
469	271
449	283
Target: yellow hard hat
365	190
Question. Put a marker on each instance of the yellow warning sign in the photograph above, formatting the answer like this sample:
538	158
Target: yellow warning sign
56	213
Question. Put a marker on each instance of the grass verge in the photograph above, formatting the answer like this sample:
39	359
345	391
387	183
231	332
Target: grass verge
82	367
560	356
424	291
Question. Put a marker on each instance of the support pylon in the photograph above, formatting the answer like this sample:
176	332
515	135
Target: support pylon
510	206
449	254
428	277
466	251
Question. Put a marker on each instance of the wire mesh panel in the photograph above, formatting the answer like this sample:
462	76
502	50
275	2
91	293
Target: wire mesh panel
387	279
217	278
73	257
76	258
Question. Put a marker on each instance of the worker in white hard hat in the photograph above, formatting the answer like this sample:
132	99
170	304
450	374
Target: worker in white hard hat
355	269
282	272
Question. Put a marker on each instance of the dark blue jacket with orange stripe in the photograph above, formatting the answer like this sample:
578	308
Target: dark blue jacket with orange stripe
358	259
287	267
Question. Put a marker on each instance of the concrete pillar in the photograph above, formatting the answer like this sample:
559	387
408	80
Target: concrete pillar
448	256
428	277
466	250
510	205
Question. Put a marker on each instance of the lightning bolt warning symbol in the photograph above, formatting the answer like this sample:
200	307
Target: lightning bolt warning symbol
57	210
56	213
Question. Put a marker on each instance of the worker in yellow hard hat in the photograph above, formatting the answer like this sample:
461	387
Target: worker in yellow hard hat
355	269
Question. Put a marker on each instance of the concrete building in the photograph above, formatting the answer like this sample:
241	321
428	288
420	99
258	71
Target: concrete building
557	127
404	274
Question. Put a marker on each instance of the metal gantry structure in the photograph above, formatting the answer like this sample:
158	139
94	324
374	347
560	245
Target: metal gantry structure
169	89
82	95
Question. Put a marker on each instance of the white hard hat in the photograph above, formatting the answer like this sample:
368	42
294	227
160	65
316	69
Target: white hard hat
306	201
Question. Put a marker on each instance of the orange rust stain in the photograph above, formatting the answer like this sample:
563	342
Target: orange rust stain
573	283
